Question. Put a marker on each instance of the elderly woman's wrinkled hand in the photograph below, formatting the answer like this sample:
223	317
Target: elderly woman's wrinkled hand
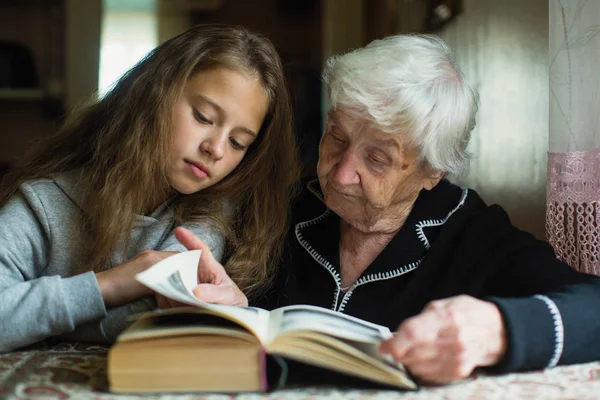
215	286
449	339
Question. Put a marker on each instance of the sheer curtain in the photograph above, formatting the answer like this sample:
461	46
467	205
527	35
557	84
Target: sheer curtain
573	191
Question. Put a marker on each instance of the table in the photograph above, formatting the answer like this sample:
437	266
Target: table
78	371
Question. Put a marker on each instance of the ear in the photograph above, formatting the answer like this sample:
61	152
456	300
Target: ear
434	177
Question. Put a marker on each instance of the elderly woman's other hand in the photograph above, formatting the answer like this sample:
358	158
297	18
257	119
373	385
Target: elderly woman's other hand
215	285
449	339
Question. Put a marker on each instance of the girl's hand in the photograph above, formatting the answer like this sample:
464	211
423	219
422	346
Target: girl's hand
165	302
118	285
215	286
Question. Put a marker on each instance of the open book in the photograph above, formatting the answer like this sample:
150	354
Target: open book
221	348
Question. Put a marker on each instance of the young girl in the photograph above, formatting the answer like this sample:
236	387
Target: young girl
198	134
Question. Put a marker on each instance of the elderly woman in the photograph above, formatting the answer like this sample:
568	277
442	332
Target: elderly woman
386	235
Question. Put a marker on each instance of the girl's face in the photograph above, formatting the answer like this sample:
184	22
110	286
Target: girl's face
218	116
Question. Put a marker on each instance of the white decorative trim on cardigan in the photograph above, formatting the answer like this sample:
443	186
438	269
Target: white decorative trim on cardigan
372	277
436	222
406	268
559	329
377	277
311	187
317	257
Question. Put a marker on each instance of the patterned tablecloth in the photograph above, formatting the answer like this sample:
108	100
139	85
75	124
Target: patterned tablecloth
77	371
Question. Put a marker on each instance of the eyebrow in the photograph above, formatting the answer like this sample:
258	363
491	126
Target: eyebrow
386	143
331	114
222	112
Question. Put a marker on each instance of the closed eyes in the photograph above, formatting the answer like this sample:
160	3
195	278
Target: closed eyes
236	145
376	159
336	138
201	118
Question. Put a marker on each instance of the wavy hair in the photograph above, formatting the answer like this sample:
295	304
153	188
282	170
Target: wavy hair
410	85
121	142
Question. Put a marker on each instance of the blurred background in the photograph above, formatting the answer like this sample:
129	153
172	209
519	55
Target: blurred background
56	53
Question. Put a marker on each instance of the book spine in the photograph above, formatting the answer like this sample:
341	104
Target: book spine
262	362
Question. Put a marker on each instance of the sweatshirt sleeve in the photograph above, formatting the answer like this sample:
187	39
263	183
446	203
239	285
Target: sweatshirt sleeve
32	306
116	321
550	311
120	317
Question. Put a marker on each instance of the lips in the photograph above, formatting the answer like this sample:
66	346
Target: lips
199	169
340	191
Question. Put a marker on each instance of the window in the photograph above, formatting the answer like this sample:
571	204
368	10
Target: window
129	32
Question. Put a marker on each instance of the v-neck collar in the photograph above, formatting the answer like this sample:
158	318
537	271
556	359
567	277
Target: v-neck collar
320	236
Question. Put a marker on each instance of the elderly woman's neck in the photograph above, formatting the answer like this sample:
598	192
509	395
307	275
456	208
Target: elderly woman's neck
356	240
358	250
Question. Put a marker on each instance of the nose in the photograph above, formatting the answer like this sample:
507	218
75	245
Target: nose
345	171
214	145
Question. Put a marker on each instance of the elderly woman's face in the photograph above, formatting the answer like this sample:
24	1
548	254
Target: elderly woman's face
369	178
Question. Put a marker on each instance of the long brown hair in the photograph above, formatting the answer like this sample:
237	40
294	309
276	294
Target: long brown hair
121	141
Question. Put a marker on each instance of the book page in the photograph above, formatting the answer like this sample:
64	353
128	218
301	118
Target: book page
318	319
354	358
176	276
183	321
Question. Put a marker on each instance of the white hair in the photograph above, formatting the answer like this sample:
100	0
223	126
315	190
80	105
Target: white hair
410	85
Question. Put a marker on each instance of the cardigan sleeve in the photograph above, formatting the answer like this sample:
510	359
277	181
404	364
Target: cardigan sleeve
550	311
552	328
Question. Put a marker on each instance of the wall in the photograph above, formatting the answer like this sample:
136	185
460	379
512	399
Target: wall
26	115
502	47
64	39
296	29
296	33
83	23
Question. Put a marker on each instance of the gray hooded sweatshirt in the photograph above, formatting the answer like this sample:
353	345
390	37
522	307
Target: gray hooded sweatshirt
44	287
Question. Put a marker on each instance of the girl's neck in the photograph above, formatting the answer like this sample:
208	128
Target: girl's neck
154	201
